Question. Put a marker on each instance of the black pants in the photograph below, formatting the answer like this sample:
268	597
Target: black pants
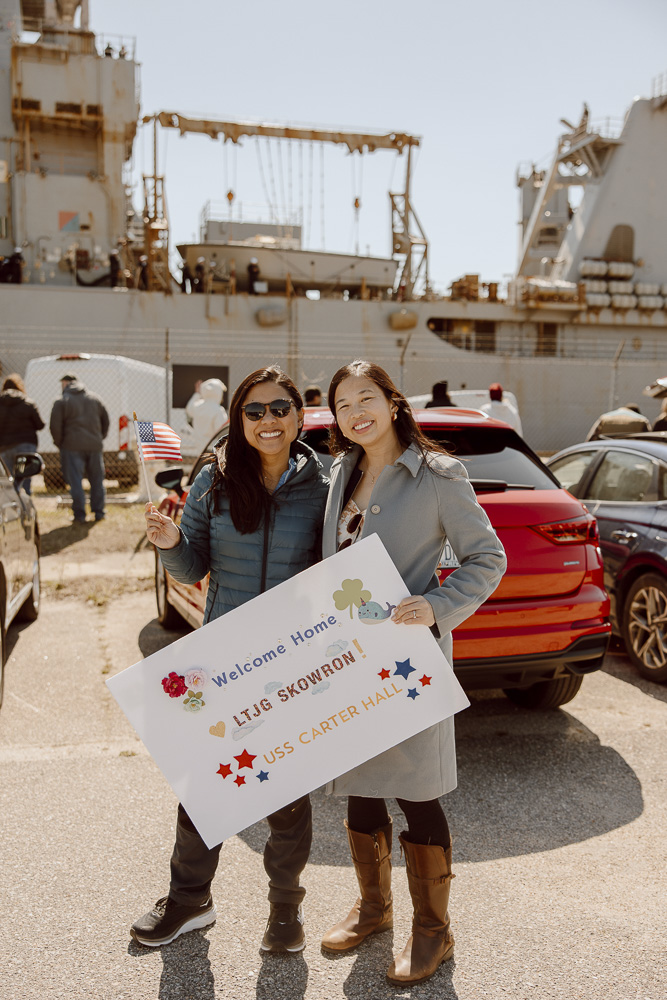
427	823
193	864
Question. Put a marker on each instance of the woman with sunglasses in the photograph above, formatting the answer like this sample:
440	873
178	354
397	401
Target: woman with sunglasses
389	479
252	519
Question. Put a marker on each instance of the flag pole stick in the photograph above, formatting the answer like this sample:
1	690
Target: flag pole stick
141	456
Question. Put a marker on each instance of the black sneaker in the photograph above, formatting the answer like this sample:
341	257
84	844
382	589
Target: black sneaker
284	928
168	920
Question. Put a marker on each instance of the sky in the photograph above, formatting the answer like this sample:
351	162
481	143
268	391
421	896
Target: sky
484	84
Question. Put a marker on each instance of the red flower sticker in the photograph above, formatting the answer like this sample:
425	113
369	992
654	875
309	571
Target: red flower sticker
174	685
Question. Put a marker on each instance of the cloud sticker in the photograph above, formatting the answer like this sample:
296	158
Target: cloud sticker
272	686
337	647
319	688
243	731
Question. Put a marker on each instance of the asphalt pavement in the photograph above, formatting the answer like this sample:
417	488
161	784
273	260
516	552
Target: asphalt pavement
559	844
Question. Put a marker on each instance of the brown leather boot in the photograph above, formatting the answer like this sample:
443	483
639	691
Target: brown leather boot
429	869
372	912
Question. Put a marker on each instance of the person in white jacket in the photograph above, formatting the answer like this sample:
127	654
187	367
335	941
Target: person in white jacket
502	409
205	412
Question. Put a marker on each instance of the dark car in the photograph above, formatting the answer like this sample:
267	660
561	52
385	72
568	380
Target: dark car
547	623
623	482
19	550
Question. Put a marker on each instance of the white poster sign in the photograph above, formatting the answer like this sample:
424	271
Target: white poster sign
288	691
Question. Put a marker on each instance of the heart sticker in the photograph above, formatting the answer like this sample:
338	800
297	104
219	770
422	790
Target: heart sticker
218	729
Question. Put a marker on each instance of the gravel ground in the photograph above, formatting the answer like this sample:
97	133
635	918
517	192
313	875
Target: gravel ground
558	825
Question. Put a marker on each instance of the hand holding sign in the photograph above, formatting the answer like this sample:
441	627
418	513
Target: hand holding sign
288	691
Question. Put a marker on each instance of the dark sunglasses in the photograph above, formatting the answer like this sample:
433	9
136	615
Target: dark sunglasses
352	527
278	408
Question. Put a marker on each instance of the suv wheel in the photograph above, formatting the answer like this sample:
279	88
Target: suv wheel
645	626
167	615
546	694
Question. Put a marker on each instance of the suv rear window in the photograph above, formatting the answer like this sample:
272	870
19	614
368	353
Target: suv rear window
490	453
487	453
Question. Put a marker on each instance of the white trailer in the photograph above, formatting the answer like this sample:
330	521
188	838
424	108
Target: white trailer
123	384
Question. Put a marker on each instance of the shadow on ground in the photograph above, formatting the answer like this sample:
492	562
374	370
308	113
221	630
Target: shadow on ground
528	782
618	664
60	538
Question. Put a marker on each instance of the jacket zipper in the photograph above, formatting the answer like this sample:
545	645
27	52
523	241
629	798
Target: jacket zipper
265	552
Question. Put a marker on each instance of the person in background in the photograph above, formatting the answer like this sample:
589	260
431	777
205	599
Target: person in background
252	519
626	419
19	423
661	422
114	268
389	479
79	424
186	279
205	411
313	395
439	396
142	273
253	275
199	282
501	409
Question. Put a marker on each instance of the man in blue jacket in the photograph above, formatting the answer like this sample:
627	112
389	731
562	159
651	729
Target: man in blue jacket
79	423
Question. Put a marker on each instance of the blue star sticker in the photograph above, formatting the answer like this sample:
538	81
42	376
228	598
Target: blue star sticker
263	775
403	668
413	693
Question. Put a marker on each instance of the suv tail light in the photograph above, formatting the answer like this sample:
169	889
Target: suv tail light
576	532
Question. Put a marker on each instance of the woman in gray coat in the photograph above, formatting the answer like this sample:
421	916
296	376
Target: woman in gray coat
389	479
252	520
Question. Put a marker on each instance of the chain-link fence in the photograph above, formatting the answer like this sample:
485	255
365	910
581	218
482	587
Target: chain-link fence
156	372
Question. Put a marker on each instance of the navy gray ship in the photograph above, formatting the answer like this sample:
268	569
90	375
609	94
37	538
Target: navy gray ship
580	328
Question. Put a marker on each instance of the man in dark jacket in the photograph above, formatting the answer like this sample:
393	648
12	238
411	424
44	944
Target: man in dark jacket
79	423
19	423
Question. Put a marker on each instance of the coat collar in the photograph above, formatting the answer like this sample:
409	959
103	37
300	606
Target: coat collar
411	458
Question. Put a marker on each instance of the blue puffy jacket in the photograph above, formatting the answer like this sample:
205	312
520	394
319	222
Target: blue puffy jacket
243	566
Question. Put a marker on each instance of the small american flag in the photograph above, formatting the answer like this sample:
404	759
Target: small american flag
158	441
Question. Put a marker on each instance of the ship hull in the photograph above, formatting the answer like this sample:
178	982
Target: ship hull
560	394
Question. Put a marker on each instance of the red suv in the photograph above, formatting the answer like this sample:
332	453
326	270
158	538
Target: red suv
547	623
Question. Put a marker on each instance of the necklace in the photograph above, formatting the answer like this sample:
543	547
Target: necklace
367	472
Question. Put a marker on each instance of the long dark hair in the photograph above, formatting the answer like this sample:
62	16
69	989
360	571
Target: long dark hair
407	429
239	467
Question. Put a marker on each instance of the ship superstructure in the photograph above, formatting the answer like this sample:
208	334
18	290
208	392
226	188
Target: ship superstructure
580	328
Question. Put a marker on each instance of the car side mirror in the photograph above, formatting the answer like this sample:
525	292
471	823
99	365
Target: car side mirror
169	479
26	465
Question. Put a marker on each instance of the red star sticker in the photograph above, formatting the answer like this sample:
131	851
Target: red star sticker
224	770
424	680
239	780
383	674
245	759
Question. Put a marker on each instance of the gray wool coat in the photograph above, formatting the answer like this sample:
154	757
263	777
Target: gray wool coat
414	508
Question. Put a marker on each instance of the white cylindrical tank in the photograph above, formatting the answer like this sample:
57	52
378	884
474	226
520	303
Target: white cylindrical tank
598	300
595	286
650	301
647	288
593	268
620	269
624	301
620	287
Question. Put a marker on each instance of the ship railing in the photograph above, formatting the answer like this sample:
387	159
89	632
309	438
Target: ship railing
218	210
607	128
121	46
659	85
